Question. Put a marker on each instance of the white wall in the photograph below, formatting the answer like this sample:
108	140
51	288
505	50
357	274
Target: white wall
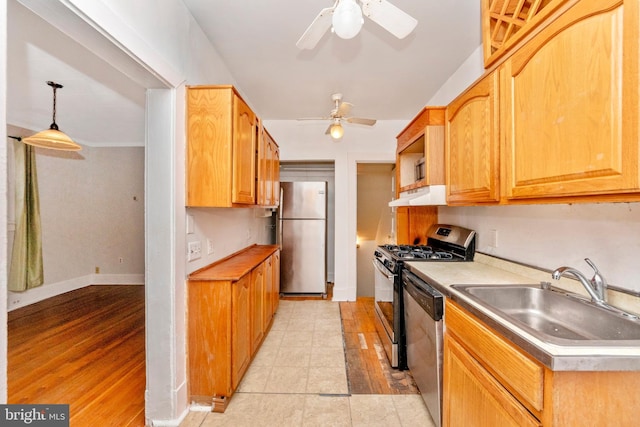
229	230
92	214
306	141
3	206
550	236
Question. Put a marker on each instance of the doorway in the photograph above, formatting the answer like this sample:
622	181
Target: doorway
375	220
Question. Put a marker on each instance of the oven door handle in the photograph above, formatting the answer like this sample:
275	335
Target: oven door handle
383	270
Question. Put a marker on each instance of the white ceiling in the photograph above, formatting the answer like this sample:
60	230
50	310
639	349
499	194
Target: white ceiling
385	78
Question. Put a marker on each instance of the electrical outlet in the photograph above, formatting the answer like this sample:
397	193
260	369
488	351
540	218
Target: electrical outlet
209	246
97	270
194	250
120	260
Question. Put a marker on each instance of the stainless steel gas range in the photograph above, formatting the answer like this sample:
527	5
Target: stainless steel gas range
445	243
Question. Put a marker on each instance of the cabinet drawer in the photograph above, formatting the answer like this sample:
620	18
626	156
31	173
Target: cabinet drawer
515	370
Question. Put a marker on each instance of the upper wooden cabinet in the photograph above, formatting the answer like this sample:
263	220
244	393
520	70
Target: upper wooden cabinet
571	105
506	22
232	161
222	136
420	151
473	146
268	171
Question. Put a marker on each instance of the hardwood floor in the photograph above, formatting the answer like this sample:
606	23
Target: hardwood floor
368	369
84	348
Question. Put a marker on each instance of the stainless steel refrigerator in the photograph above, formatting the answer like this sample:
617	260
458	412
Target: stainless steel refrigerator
303	237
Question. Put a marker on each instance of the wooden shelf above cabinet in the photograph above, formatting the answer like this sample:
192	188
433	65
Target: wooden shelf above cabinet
421	145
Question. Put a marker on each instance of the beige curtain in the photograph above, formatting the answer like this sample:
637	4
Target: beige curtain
26	271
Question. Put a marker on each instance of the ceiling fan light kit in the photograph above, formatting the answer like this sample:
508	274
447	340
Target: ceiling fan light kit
336	130
345	19
339	113
52	138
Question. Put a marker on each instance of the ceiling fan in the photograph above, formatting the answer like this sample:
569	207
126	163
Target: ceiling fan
339	113
345	18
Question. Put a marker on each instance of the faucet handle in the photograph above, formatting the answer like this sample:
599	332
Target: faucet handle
592	265
598	281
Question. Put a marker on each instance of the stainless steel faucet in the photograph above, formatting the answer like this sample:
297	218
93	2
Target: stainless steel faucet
596	287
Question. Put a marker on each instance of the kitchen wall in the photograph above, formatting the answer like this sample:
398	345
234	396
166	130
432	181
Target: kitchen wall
550	236
229	231
92	216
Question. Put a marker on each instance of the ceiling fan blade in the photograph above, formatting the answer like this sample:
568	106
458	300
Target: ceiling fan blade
361	121
315	118
389	17
343	109
316	30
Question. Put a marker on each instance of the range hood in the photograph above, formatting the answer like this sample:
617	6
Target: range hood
425	196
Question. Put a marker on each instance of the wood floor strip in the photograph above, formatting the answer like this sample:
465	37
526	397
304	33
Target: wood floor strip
368	368
84	348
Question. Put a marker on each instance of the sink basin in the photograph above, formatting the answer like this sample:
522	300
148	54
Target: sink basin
556	317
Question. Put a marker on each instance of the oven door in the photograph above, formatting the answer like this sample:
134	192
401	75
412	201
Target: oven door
385	310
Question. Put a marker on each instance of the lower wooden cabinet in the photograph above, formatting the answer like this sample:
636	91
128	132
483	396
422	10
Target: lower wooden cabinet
474	397
230	310
488	382
258	303
241	342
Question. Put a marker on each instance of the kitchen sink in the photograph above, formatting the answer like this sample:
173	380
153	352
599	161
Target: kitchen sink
555	316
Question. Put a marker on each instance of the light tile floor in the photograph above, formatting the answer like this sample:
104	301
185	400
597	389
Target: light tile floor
298	378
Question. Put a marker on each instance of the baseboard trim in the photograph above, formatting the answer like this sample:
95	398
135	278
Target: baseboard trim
17	300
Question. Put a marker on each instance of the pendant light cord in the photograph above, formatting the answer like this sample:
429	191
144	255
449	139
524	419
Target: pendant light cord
55	86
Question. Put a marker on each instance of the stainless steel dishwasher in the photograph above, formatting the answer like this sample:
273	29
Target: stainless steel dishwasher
423	311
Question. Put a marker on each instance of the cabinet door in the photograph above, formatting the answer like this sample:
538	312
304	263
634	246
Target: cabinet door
571	110
472	145
275	295
257	307
209	151
276	175
268	293
245	137
473	398
268	171
240	329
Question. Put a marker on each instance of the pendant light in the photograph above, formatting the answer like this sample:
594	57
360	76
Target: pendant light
52	138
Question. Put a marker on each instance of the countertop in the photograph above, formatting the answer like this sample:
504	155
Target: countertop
494	271
235	265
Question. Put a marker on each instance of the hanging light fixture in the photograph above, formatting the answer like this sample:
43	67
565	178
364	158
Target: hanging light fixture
52	138
336	130
347	19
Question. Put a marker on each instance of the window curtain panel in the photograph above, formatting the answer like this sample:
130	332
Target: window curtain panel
26	269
